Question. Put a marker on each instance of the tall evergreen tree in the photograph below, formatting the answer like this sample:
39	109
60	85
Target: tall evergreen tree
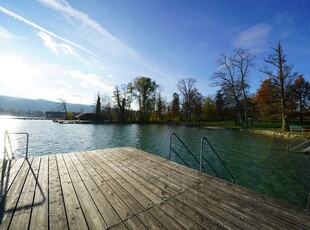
175	107
98	105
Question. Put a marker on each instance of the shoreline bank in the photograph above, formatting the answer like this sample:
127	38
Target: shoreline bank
279	134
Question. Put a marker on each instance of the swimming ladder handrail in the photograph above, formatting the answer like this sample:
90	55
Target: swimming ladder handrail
7	135
183	144
202	158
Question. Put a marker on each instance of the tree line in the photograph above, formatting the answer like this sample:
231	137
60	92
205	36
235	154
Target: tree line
282	95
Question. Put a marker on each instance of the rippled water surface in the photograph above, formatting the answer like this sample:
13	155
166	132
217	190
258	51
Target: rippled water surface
257	162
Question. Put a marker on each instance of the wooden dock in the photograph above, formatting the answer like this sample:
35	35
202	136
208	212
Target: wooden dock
125	188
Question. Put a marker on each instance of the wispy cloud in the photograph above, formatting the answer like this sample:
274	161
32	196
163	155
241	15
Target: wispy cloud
36	26
88	80
56	47
5	34
92	30
284	18
254	37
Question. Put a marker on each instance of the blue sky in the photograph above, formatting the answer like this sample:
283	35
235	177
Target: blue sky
53	49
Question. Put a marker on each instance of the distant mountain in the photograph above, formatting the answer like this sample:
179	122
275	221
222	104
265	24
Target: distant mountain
16	103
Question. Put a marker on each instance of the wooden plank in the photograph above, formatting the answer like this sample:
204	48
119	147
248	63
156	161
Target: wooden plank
149	221
90	210
118	204
56	205
139	186
195	215
8	174
267	202
142	199
190	177
6	165
120	226
23	209
10	200
159	186
165	219
226	203
212	213
157	178
127	198
184	219
154	193
93	180
75	215
247	208
134	223
39	214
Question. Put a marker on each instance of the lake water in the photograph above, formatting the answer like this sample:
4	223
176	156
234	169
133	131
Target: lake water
258	162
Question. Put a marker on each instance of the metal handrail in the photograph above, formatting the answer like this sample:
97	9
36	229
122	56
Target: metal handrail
298	146
6	134
171	149
308	205
203	158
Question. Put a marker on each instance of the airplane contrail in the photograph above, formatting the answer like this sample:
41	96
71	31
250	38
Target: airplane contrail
36	26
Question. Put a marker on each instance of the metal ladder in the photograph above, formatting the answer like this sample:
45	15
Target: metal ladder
202	158
303	147
174	136
7	139
171	149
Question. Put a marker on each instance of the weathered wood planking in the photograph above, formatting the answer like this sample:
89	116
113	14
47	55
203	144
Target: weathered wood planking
126	188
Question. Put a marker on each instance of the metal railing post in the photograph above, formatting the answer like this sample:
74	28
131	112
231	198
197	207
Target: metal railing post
201	155
4	146
308	205
169	156
27	145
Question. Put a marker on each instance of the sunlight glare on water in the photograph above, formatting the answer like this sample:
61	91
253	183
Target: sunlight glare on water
11	144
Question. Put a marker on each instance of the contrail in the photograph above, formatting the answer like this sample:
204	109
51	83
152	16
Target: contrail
33	25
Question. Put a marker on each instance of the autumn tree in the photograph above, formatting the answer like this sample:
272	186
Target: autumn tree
267	100
143	88
282	74
301	95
